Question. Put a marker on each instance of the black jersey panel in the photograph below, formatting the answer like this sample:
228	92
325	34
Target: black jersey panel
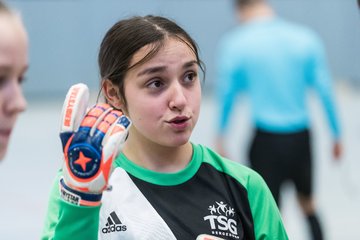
211	202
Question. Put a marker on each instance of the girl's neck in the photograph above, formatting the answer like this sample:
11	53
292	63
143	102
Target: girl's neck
158	158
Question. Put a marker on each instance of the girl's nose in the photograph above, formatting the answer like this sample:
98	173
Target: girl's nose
177	97
15	101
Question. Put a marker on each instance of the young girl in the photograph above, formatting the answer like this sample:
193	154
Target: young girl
13	64
162	185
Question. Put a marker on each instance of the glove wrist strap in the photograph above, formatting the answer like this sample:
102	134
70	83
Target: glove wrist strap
78	198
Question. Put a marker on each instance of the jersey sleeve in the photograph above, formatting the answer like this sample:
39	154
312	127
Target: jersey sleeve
319	75
67	221
268	223
229	80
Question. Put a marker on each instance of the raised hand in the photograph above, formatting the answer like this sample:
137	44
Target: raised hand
91	139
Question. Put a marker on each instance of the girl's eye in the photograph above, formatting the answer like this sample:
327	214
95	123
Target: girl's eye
155	84
3	80
21	79
190	77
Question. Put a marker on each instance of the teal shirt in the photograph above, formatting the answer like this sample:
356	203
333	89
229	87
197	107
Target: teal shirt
275	62
178	206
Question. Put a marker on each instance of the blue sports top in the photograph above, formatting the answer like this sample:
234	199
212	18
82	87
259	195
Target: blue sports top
275	62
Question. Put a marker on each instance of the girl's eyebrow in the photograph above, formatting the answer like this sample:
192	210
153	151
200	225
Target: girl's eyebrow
190	64
4	68
151	70
7	68
162	68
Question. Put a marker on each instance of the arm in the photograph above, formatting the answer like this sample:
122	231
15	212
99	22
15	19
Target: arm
321	80
91	139
267	219
68	221
230	80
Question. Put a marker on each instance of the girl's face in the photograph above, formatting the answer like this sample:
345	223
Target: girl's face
163	95
13	64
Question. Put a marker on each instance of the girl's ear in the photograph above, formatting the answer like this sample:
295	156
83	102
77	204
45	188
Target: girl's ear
111	93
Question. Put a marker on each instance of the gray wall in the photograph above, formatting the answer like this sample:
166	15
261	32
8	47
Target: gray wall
65	34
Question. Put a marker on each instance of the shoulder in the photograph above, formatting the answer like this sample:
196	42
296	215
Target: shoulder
303	31
232	39
241	173
302	37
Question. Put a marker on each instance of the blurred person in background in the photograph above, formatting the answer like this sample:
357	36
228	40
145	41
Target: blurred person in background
13	65
275	62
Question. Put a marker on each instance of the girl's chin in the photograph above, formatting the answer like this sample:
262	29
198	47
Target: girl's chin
178	142
2	153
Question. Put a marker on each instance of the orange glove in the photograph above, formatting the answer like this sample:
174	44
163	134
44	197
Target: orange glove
91	141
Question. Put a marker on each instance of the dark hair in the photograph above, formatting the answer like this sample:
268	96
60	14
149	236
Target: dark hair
3	7
128	36
246	3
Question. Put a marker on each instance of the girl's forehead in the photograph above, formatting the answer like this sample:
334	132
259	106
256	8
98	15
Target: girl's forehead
12	30
171	47
13	42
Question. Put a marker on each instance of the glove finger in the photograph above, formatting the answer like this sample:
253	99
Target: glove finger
95	123
116	136
103	128
74	108
89	124
109	119
113	141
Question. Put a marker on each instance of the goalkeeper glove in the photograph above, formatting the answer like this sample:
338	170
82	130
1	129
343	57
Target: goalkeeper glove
90	140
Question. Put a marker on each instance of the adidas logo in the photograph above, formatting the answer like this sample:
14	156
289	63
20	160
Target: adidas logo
113	224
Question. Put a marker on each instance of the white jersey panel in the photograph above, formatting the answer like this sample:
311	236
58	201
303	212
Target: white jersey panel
126	214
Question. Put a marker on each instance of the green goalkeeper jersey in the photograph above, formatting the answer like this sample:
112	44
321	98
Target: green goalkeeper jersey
212	195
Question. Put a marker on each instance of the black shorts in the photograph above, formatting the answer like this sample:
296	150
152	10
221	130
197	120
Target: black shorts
283	157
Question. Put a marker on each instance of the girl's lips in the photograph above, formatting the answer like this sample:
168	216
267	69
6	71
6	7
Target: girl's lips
5	134
179	123
179	119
